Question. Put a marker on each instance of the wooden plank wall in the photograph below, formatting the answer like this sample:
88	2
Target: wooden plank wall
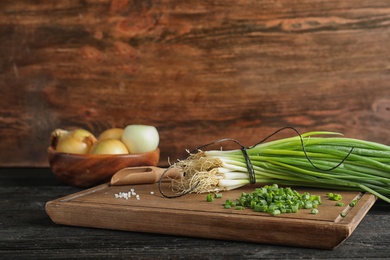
197	70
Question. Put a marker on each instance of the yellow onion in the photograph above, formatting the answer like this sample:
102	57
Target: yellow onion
109	146
111	133
57	136
78	141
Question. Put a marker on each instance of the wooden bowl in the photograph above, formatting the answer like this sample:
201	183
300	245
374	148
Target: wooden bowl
87	170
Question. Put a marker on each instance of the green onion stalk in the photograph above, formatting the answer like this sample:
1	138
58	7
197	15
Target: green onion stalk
315	159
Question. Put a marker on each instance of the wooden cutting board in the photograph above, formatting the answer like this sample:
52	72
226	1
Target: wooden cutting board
192	215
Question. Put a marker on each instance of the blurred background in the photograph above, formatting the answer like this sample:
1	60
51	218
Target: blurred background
197	70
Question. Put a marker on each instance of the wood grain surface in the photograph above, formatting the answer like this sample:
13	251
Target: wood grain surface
27	232
193	216
198	71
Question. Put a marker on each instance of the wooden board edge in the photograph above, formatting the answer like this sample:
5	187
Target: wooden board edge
235	227
359	211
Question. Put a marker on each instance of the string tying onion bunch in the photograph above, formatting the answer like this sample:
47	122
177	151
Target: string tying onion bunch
315	159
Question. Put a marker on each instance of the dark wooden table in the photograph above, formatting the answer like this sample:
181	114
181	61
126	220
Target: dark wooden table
28	233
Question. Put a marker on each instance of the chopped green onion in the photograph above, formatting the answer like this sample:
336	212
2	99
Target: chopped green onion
274	200
353	203
334	196
209	197
339	204
314	211
343	214
218	195
294	208
275	212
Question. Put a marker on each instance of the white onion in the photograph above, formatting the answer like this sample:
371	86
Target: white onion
140	138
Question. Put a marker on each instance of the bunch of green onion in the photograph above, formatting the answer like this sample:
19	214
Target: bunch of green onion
316	159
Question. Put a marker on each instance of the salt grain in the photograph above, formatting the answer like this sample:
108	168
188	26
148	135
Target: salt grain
127	195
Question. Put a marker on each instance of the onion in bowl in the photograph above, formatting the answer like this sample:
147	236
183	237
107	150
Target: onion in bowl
109	146
140	138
